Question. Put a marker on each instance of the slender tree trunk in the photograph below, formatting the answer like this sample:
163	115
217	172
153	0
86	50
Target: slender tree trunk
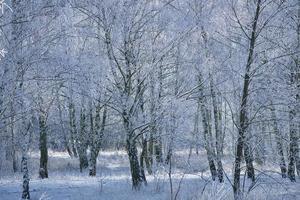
82	142
260	142
158	146
25	193
279	145
249	160
243	109
43	172
298	88
153	120
196	128
62	125
93	161
97	139
150	148
24	161
294	116
218	130
293	147
207	129
12	133
143	157
172	131
73	129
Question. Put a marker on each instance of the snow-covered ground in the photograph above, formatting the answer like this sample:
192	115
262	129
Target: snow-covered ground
190	180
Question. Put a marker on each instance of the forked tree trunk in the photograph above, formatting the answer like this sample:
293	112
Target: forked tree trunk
97	139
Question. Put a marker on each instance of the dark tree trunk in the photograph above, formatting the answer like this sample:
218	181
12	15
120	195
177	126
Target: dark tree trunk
294	159
143	159
132	152
83	160
135	169
249	160
82	142
93	161
293	147
243	109
25	193
13	145
158	148
149	155
73	129
43	172
151	147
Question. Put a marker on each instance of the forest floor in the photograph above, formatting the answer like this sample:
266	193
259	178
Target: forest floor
190	181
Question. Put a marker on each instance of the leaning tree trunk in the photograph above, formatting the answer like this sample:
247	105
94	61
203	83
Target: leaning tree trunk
207	129
243	109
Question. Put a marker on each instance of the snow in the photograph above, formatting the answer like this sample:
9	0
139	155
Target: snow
113	181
